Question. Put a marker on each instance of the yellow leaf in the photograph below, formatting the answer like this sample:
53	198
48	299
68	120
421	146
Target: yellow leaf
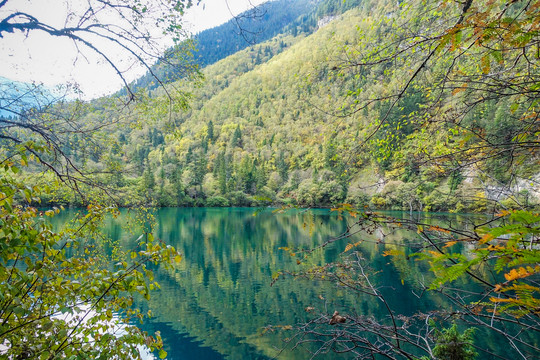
503	213
519	273
393	252
496	248
459	89
486	238
437	228
450	243
178	259
434	253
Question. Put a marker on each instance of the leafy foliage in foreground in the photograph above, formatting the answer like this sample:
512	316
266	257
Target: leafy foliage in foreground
62	293
481	274
451	345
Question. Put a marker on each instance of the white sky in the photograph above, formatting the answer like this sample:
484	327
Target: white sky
52	61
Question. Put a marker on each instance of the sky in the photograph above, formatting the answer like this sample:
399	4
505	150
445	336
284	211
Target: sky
38	57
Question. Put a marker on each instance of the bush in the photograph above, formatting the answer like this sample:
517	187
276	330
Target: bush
451	345
217	201
307	193
378	201
330	193
320	193
358	198
238	198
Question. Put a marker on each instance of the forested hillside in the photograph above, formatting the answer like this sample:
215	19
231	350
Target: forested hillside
288	121
252	27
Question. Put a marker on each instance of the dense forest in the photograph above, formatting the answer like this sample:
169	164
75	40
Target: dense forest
279	122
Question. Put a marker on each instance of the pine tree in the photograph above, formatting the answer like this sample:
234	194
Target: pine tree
282	167
236	139
149	182
210	132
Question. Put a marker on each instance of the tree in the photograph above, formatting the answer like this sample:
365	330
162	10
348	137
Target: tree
177	187
236	139
149	180
199	169
463	60
62	290
282	167
451	345
246	175
103	28
210	132
220	172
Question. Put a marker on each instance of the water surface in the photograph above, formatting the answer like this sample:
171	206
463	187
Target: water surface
219	302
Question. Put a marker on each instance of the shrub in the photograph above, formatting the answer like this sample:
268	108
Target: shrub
217	201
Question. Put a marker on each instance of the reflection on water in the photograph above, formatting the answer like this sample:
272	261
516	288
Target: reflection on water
216	304
221	295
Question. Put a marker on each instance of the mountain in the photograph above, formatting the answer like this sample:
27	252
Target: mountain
17	98
248	28
272	124
263	23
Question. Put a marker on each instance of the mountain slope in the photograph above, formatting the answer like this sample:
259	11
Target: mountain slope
248	28
278	123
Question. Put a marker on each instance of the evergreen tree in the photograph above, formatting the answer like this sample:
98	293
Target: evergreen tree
161	183
282	167
261	175
149	182
236	140
178	190
199	169
220	172
210	132
451	345
246	175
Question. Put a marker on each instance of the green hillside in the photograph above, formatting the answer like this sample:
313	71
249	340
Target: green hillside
286	122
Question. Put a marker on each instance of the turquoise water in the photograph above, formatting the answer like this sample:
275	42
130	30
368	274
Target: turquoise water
219	303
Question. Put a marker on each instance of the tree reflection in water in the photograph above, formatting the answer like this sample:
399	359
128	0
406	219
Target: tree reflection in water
219	302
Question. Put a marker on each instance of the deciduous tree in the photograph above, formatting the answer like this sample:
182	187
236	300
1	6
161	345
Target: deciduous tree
459	59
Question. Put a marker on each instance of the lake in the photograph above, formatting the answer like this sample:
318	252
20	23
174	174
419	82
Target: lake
219	302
